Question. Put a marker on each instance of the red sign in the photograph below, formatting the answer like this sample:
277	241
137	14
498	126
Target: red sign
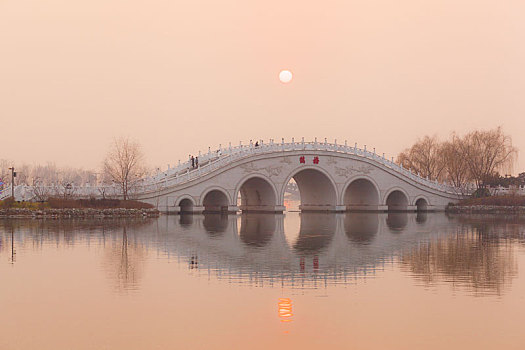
316	160
301	160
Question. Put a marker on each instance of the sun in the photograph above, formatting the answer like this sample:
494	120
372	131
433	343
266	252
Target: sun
285	76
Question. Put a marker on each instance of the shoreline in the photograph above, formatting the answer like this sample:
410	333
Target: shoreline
485	209
88	213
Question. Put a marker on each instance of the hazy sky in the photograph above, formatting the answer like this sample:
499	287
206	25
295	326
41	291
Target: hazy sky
180	76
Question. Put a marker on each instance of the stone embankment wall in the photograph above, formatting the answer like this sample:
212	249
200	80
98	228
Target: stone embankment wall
488	209
78	213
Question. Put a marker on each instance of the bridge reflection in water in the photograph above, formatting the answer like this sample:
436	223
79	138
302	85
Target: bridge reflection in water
320	249
301	250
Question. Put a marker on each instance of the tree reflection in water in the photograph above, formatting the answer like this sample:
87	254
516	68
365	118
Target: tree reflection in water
471	259
124	262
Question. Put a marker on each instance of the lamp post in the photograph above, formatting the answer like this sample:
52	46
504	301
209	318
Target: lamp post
13	175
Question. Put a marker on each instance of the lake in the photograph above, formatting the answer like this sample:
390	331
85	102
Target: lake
261	281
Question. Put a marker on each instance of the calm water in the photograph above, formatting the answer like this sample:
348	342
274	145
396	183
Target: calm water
310	281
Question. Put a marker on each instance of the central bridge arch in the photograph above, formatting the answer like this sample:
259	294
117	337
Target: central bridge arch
317	189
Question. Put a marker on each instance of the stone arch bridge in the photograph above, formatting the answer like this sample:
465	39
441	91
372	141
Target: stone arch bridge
330	177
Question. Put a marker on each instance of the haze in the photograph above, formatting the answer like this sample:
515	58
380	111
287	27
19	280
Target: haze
180	76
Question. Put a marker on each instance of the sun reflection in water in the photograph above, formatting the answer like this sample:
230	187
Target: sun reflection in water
285	310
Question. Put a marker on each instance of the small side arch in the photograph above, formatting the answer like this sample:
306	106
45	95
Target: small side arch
215	199
397	199
421	203
186	203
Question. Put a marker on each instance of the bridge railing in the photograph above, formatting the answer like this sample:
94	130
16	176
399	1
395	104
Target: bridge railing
214	160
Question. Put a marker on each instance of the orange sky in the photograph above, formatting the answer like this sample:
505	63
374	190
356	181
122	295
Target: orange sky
180	76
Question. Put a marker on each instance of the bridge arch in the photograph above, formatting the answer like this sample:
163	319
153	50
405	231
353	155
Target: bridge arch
257	193
361	192
186	203
396	199
317	188
215	199
421	203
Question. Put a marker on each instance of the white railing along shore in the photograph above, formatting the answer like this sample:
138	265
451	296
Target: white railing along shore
5	193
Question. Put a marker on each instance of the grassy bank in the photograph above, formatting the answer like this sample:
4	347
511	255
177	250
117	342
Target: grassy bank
503	201
63	203
500	205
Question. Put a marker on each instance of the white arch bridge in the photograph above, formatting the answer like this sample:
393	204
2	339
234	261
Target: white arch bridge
330	177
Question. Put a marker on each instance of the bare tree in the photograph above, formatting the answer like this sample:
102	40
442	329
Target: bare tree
124	164
41	191
456	169
46	174
24	174
105	186
486	152
425	157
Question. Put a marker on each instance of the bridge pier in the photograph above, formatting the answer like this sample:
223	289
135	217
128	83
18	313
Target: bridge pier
233	209
279	209
412	208
179	210
262	208
197	209
226	209
169	209
322	208
367	208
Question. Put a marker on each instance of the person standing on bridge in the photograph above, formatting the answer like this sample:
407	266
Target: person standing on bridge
196	162
192	162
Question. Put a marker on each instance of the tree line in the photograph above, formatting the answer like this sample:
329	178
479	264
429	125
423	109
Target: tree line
123	166
475	158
